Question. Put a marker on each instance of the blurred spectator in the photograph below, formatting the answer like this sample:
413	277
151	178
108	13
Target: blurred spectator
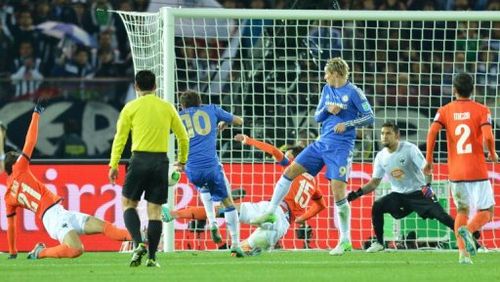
487	78
494	40
42	12
141	5
26	75
468	40
107	67
24	29
105	42
6	46
78	66
121	33
392	5
325	42
71	145
6	18
81	18
62	12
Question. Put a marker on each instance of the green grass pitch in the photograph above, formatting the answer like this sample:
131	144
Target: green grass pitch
277	266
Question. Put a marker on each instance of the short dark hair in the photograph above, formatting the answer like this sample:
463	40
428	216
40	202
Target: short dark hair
391	125
190	98
10	159
145	80
464	84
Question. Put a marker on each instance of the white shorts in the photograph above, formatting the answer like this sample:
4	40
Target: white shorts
267	235
476	195
58	222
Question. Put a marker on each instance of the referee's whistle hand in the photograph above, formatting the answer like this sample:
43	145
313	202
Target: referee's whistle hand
113	174
179	166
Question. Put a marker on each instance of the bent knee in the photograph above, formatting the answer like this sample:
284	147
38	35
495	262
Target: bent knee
75	252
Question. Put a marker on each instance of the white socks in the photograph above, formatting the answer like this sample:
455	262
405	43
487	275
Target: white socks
343	214
280	190
206	199
233	224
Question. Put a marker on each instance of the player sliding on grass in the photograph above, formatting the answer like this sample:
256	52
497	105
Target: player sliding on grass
292	208
25	191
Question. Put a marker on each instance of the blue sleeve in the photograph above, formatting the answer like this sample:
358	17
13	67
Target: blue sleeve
321	111
222	115
365	112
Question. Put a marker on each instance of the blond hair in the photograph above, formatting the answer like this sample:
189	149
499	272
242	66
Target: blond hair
339	66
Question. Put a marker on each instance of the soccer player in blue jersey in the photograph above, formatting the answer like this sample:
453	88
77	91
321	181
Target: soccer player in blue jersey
342	107
203	168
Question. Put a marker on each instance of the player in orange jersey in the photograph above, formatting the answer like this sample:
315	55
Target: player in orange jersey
294	207
467	124
25	191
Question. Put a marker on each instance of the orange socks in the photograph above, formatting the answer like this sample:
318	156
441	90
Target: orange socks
479	220
61	251
460	220
197	213
115	233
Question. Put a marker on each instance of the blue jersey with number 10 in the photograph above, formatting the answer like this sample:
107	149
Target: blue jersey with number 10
201	125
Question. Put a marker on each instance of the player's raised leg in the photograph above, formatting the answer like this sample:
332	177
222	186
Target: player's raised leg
281	189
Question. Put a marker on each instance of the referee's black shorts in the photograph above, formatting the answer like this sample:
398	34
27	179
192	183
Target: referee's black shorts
400	205
147	173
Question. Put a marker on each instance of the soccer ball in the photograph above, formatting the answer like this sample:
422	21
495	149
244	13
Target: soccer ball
173	177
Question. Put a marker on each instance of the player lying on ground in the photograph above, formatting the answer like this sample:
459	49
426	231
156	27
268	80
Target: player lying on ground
25	191
292	209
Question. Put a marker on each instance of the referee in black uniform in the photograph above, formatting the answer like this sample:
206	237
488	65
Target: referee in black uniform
150	119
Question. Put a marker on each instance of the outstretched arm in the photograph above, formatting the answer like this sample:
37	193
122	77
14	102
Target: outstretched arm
265	147
11	234
31	136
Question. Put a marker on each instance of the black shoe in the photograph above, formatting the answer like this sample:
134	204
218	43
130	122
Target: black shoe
137	255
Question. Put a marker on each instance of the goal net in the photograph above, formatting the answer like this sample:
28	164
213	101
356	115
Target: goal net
267	66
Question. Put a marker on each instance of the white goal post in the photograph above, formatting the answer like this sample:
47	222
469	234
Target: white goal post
267	66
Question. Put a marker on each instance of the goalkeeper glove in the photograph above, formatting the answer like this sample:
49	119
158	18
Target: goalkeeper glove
427	191
353	195
39	107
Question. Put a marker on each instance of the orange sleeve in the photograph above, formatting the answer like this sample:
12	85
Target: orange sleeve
31	136
316	207
488	138
11	234
268	148
431	140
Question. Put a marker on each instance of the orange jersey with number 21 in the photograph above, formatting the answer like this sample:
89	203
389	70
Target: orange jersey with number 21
463	120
